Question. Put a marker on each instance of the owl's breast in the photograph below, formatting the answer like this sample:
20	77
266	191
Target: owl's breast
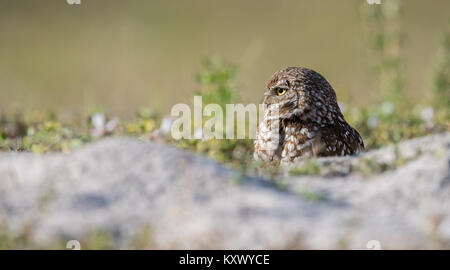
267	144
299	142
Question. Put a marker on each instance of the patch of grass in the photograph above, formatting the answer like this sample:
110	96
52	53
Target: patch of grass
385	124
310	167
98	240
95	240
303	193
43	133
143	239
144	122
311	196
371	166
10	240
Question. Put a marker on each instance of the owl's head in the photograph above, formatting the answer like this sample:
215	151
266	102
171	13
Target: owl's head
302	93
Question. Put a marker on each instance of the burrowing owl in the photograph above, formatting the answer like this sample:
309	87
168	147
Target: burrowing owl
302	119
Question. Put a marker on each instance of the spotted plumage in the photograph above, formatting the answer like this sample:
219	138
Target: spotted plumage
302	119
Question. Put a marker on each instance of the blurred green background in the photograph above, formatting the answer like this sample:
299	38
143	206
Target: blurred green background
123	55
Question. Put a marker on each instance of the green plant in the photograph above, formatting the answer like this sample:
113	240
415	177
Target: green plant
441	81
217	82
385	38
309	167
218	87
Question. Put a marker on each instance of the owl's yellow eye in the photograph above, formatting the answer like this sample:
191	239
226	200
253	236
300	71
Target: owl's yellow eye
280	91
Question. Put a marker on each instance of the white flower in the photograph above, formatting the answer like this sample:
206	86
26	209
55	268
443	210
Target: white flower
372	122
111	125
98	120
387	108
427	114
100	127
166	125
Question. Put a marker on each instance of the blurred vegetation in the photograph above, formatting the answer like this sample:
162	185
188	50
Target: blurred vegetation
94	240
310	167
46	132
441	79
217	83
381	124
395	117
385	38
